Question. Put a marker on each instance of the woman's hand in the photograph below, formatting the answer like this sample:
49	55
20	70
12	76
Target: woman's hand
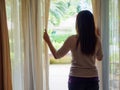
47	39
98	32
46	36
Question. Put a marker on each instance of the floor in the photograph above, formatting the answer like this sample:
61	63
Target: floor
58	77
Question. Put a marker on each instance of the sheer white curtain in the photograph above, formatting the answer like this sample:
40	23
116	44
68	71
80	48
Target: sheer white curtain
114	44
110	25
27	20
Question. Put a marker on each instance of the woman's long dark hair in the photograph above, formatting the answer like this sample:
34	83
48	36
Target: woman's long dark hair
86	32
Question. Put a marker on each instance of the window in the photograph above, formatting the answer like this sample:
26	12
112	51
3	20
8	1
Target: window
114	45
62	17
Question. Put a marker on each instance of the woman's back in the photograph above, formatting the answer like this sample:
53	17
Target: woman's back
83	65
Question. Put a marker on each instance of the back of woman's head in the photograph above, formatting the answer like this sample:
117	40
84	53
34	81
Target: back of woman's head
85	27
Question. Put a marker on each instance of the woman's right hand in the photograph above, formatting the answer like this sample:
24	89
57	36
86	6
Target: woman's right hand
46	36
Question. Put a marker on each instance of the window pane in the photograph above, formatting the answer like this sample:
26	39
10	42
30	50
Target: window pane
114	45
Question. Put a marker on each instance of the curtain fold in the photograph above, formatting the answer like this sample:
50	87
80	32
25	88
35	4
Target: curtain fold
47	7
119	37
119	29
96	5
1	58
5	63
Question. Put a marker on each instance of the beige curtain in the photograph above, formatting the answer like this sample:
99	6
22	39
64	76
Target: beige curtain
36	18
96	5
5	64
27	21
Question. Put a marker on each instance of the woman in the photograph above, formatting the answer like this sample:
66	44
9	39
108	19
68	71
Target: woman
85	48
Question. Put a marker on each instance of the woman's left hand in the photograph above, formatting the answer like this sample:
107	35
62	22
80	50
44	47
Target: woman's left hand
98	32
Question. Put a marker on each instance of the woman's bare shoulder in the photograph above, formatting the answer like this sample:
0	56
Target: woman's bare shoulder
73	36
